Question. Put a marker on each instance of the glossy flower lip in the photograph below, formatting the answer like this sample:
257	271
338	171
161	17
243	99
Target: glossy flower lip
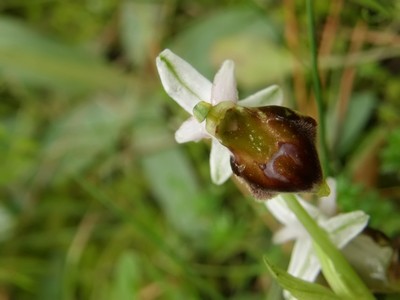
187	87
273	148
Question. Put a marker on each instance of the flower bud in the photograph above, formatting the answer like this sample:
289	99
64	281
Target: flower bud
273	147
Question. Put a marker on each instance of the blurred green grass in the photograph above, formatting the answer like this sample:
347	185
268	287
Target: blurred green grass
99	202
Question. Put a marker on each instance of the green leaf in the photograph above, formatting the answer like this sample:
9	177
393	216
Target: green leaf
139	29
299	288
254	70
390	154
197	42
127	276
7	223
234	33
174	184
359	112
38	60
375	5
18	148
85	133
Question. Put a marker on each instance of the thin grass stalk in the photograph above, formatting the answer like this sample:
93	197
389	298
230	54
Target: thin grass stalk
324	156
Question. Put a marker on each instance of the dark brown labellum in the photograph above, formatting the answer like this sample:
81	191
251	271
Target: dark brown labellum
273	149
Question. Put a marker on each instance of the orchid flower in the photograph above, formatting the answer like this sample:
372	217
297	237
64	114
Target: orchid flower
188	87
341	229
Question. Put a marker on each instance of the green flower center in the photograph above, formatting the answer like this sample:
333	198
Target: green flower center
200	111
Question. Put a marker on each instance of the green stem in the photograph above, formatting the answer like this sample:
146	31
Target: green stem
340	275
317	90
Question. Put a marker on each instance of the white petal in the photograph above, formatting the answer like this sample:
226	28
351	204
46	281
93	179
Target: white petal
181	81
304	263
191	131
327	205
277	206
289	232
224	85
370	259
269	96
220	166
344	227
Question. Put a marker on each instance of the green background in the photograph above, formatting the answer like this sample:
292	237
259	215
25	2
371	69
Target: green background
97	200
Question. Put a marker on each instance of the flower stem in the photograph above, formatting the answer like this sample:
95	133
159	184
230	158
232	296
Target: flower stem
317	90
340	275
